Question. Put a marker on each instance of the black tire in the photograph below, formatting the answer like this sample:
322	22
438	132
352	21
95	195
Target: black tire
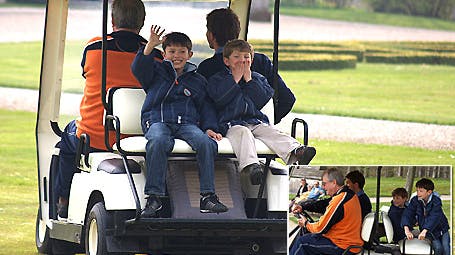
42	240
95	237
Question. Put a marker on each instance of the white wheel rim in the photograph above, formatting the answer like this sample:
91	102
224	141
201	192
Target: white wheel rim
93	237
42	230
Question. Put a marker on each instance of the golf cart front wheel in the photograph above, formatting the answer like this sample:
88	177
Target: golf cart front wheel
42	240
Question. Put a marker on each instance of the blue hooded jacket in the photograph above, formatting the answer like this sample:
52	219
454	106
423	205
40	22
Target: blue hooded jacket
429	216
172	99
261	64
239	104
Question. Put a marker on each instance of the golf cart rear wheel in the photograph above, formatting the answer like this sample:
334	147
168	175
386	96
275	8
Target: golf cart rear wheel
42	240
95	239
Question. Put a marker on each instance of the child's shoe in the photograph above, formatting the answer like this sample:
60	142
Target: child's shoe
152	207
304	154
210	204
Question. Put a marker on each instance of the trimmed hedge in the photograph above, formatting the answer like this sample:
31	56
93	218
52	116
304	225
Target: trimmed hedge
315	61
317	49
294	54
411	58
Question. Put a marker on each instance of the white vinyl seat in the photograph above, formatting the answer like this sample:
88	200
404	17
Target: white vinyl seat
415	247
126	107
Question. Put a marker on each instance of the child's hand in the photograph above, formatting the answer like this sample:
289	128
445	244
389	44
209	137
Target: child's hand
422	235
408	233
238	71
247	70
212	134
154	40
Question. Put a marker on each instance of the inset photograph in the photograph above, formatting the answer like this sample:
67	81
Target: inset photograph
370	210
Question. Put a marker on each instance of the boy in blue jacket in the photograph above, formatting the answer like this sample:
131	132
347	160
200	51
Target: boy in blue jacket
239	94
176	106
426	208
398	205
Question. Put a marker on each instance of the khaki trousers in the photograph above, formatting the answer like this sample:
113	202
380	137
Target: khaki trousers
243	145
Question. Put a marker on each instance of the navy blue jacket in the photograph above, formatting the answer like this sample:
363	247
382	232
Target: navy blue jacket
172	99
365	203
395	213
429	216
239	104
261	64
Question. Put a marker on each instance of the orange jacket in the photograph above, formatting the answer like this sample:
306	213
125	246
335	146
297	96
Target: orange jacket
342	220
121	50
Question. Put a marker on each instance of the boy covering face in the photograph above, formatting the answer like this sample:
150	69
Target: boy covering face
176	106
239	94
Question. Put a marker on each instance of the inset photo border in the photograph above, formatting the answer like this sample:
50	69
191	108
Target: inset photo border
404	196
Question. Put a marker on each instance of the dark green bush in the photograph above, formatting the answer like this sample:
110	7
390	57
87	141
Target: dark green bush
438	9
315	61
418	52
411	58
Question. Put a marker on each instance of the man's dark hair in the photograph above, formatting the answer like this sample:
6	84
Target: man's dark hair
128	14
356	177
177	39
224	24
425	184
402	192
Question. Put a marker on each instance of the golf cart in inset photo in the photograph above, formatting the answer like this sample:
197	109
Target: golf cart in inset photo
106	196
377	230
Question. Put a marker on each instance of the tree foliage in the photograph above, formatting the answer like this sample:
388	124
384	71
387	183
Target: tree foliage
435	8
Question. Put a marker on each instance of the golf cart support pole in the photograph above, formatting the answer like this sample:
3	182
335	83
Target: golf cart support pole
276	30
378	194
106	107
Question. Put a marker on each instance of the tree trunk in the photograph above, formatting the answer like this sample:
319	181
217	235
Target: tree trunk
260	11
410	179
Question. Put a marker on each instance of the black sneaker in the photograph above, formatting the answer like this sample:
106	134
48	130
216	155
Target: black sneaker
304	154
210	204
152	207
255	172
62	208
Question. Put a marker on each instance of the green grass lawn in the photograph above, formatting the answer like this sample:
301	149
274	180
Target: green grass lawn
18	181
21	65
369	17
418	93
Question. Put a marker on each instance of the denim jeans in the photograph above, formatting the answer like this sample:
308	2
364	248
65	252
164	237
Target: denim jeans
160	142
67	166
314	244
441	246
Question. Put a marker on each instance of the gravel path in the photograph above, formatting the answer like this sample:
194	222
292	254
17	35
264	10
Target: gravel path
26	24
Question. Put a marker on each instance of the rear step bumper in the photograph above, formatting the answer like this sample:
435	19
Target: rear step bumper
206	227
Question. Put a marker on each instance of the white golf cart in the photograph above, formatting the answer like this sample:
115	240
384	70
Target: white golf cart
107	191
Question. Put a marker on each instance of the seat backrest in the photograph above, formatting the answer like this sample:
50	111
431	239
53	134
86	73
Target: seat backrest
367	227
415	247
388	227
126	105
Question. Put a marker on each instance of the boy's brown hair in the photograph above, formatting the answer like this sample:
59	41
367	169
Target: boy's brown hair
237	44
402	192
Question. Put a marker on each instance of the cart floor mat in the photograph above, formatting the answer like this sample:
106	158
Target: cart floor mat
184	193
